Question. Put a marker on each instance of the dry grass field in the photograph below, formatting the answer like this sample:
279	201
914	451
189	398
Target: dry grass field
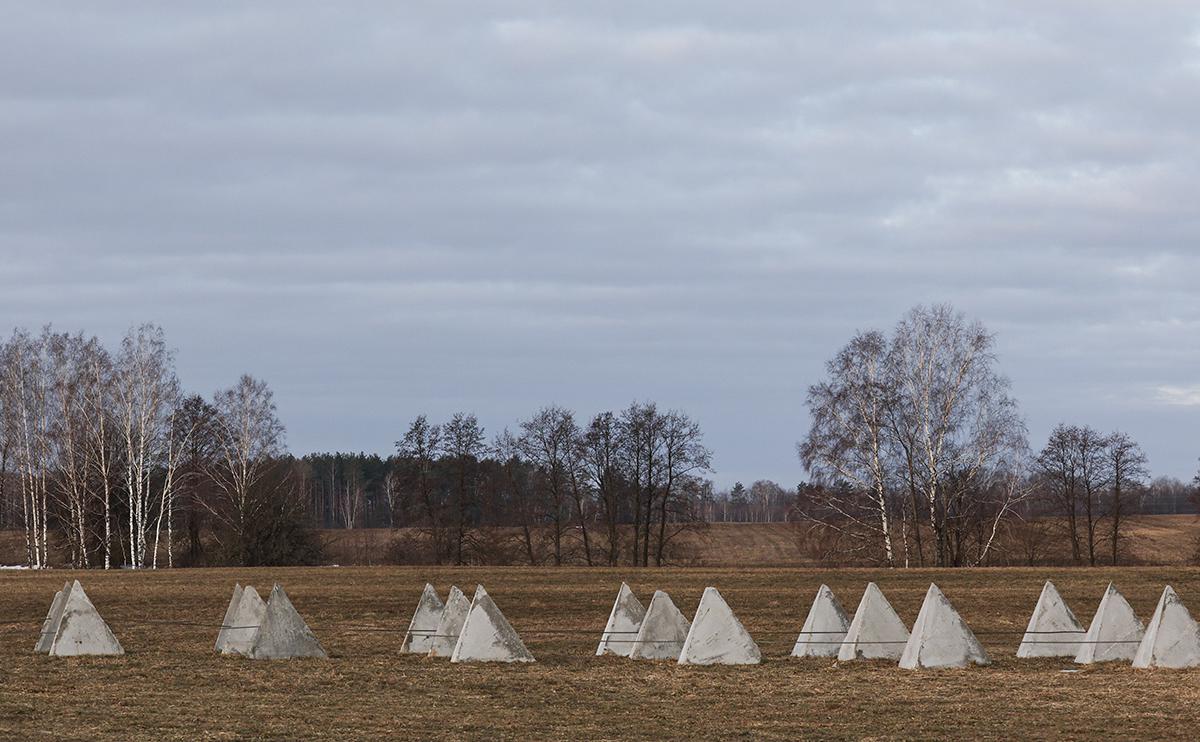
171	686
1169	540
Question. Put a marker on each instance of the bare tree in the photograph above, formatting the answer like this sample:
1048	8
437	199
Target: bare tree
463	445
68	378
347	490
925	414
103	445
418	450
391	495
147	394
248	436
684	456
1128	469
1166	496
581	493
548	441
954	405
1074	465
847	441
197	431
5	504
600	452
1059	472
1003	496
642	459
507	450
178	435
28	413
1095	477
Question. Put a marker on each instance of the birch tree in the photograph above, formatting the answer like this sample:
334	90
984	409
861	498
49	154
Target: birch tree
147	396
178	436
27	423
954	405
102	445
848	441
925	413
349	498
248	436
69	436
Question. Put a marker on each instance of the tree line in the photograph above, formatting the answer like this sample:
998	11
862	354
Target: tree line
614	489
918	455
104	458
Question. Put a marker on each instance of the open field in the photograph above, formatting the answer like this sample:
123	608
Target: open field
1168	540
1152	540
171	686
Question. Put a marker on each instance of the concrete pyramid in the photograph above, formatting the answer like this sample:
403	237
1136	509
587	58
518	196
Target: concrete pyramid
1114	633
940	637
663	631
283	633
623	623
1172	639
450	624
241	629
230	613
53	619
717	637
824	628
82	630
487	636
876	633
1053	630
423	625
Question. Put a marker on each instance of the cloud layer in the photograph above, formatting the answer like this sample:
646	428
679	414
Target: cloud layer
427	207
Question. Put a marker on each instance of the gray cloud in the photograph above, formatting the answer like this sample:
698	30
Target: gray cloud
395	209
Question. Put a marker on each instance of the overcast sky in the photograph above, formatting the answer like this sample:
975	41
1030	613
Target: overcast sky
418	207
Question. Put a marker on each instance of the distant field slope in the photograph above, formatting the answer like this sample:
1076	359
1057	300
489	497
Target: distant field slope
1163	540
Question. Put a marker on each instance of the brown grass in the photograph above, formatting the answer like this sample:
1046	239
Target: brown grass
171	686
1168	540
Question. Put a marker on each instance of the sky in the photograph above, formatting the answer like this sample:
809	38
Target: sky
390	209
